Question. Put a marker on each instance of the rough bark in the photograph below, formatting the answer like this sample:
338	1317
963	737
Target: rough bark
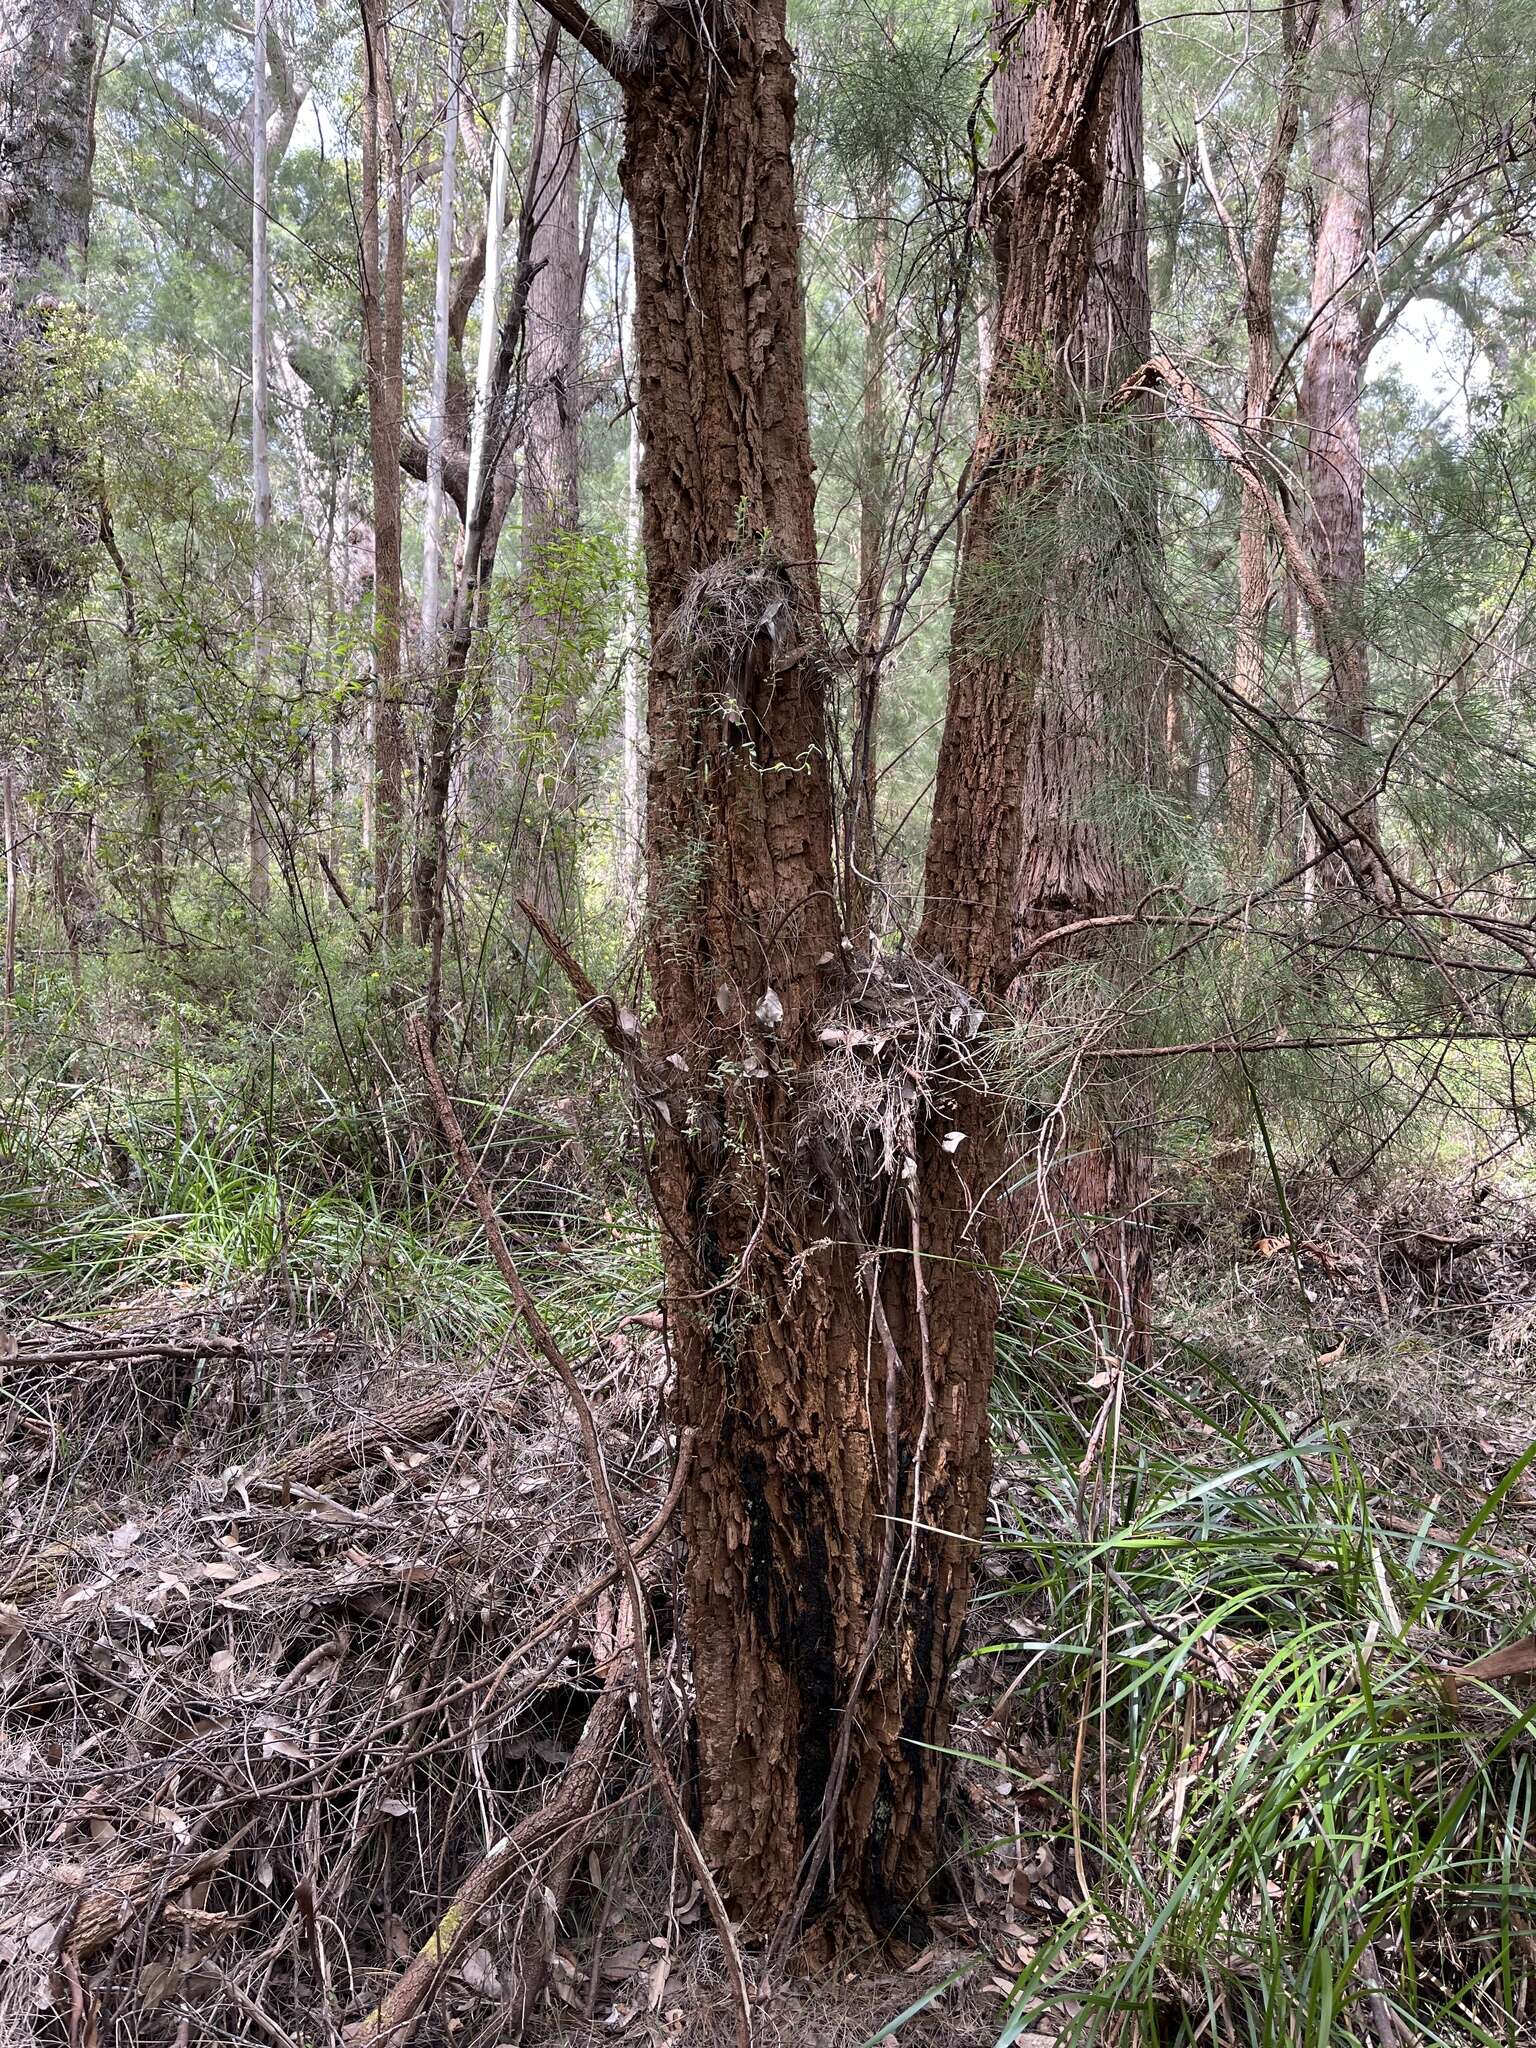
551	466
869	615
824	1612
1331	385
47	58
1096	731
381	276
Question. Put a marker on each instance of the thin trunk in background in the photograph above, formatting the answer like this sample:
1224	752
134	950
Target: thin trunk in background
261	480
631	672
490	476
869	603
382	281
547	692
145	745
431	554
12	898
1331	384
1255	267
495	227
1096	738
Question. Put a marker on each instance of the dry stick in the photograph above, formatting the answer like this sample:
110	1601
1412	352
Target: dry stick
572	1807
544	1340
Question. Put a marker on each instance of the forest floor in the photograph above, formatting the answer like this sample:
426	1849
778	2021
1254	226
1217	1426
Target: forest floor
298	1619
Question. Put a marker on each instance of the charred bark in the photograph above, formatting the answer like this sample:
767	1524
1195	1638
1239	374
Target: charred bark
839	1394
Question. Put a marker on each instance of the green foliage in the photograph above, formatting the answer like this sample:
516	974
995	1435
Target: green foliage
1302	1821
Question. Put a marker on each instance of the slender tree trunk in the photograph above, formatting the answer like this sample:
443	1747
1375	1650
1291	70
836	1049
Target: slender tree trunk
261	480
551	464
431	554
382	278
145	745
1331	385
831	1509
1096	727
632	670
8	822
1255	541
869	622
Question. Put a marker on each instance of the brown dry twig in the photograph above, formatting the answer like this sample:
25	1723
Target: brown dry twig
545	1343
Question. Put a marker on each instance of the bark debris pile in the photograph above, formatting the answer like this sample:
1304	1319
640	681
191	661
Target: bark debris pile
266	1715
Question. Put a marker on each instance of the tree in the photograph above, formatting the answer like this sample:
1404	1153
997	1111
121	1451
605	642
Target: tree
830	1510
551	455
1096	735
381	279
1331	386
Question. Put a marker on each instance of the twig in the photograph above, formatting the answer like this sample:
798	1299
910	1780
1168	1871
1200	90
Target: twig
544	1340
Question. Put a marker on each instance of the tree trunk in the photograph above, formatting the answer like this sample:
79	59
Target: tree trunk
47	61
824	1612
431	551
869	620
261	480
1331	385
382	280
1097	720
1255	541
551	464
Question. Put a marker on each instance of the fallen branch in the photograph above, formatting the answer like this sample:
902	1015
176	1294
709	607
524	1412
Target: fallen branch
555	1358
561	1829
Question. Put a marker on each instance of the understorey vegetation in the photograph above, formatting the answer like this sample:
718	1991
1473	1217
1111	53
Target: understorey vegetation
767	1253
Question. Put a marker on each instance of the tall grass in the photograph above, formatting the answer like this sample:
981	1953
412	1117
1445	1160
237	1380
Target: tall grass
180	1177
1279	1821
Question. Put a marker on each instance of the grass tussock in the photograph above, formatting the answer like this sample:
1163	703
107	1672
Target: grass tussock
1273	1805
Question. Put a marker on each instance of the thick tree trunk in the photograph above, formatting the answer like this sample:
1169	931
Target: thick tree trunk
551	467
382	281
47	61
1331	385
839	1394
1097	722
765	1319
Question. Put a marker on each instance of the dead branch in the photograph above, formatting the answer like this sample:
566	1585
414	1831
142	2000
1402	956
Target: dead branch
544	1340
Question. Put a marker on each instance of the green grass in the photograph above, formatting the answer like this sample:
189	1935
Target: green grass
182	1180
1278	1827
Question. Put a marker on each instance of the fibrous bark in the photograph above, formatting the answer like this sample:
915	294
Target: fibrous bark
1331	384
1096	733
838	1385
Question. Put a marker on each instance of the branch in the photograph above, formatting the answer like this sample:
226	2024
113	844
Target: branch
621	60
555	1358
